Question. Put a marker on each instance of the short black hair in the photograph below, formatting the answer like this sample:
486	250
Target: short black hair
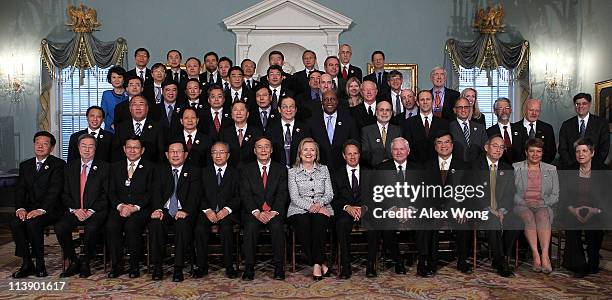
263	137
423	91
117	70
194	80
188	108
95	107
174	50
176	141
280	101
211	53
227	59
234	68
274	67
263	86
87	136
240	102
309	51
133	138
245	60
215	87
142	50
277	53
394	73
331	57
350	142
52	139
158	65
194	58
585	96
314	71
168	82
442	133
378	52
493	136
134	77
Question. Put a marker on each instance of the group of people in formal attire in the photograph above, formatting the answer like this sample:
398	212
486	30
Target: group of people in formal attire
186	150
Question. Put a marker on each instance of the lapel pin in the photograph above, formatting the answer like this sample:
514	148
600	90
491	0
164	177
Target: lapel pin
101	136
542	136
501	173
197	142
46	167
297	130
226	115
247	138
199	105
378	140
139	166
150	126
185	174
352	71
271	115
515	133
178	109
339	123
452	171
475	128
95	168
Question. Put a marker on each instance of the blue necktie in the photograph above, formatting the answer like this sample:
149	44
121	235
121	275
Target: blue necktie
38	165
288	145
173	205
330	129
582	128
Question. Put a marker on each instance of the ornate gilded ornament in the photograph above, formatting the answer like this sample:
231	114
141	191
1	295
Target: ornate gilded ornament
489	21
82	19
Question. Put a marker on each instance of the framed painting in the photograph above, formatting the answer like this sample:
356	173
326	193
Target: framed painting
410	74
603	100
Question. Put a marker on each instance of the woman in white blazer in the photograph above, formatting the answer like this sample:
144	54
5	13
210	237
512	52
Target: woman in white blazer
537	190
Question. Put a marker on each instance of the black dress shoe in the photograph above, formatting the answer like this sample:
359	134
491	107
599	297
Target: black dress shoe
249	273
279	273
134	273
158	273
115	272
370	271
84	269
24	271
504	270
345	274
464	267
199	272
230	273
73	269
400	268
424	271
41	272
177	276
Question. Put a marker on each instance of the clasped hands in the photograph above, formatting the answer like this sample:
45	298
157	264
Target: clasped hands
317	208
265	216
354	211
23	215
576	212
126	210
82	214
159	214
216	217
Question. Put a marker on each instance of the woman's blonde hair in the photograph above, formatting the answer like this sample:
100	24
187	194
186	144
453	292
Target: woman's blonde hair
346	89
298	159
476	112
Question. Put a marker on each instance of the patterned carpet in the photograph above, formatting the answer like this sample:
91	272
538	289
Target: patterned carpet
447	284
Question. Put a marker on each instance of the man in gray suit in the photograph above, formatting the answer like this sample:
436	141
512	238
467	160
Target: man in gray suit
376	138
469	136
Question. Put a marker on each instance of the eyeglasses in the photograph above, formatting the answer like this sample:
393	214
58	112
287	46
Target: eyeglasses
503	108
497	147
218	152
581	103
176	152
288	107
462	107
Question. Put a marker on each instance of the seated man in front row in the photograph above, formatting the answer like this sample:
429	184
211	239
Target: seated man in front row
264	193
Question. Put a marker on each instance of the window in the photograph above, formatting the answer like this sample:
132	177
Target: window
76	98
489	89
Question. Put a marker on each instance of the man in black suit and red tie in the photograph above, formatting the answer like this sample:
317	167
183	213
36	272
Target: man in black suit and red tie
130	192
286	133
346	69
248	66
215	116
238	90
309	58
37	204
513	134
95	116
264	194
211	75
175	203
240	137
443	97
219	206
198	143
347	202
420	129
85	198
175	73
379	76
141	60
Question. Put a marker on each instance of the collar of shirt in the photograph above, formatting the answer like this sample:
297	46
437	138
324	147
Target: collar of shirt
213	111
489	162
167	103
461	123
393	96
367	106
144	71
314	92
349	171
223	168
157	85
414	111
448	162
267	164
278	89
334	117
142	123
196	101
429	118
136	162
223	82
501	129
267	109
89	163
402	164
193	134
214	74
380	126
347	66
179	168
441	89
315	168
97	131
244	129
43	160
239	91
526	125
284	123
586	121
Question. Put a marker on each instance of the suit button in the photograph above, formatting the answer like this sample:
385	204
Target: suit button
312	190
311	197
311	179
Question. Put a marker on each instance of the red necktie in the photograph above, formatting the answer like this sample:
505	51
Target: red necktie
437	103
189	143
82	183
427	126
264	179
240	139
217	122
344	73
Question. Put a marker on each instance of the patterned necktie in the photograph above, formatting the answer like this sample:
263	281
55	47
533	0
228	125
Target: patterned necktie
398	104
330	129
138	129
173	204
83	181
158	94
217	122
131	170
38	166
176	77
400	173
582	128
288	144
236	98
426	126
226	87
274	99
466	132
383	135
142	76
264	118
240	136
443	171
211	79
344	73
170	113
409	115
438	101
531	131
219	177
493	183
189	143
354	184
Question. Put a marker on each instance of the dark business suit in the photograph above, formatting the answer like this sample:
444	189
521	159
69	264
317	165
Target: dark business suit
597	130
199	155
399	119
240	154
188	193
122	111
247	96
421	144
152	138
307	105
205	79
373	150
545	132
251	84
276	134
331	153
448	102
216	197
253	195
478	138
136	191
37	190
255	118
301	81
160	114
103	145
383	85
353	71
207	123
149	93
148	77
95	197
518	135
361	116
182	76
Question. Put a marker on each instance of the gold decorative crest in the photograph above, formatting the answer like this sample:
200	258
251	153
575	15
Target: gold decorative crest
489	21
82	19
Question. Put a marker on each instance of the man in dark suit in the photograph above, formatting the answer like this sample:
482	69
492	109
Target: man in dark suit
225	63
214	116
536	128
130	192
240	137
379	76
286	133
168	110
141	60
175	203
469	137
262	114
332	67
419	129
347	202
301	78
330	129
218	206
248	67
85	198
410	108
444	170
443	97
584	124
95	116
211	76
153	92
134	88
497	201
238	90
193	93
395	80
192	67
309	102
513	134
364	113
346	69
150	132
198	143
37	204
277	58
264	194
279	86
175	73
376	138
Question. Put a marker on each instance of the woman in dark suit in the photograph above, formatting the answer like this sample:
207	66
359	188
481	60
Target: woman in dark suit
537	190
475	115
310	210
583	202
